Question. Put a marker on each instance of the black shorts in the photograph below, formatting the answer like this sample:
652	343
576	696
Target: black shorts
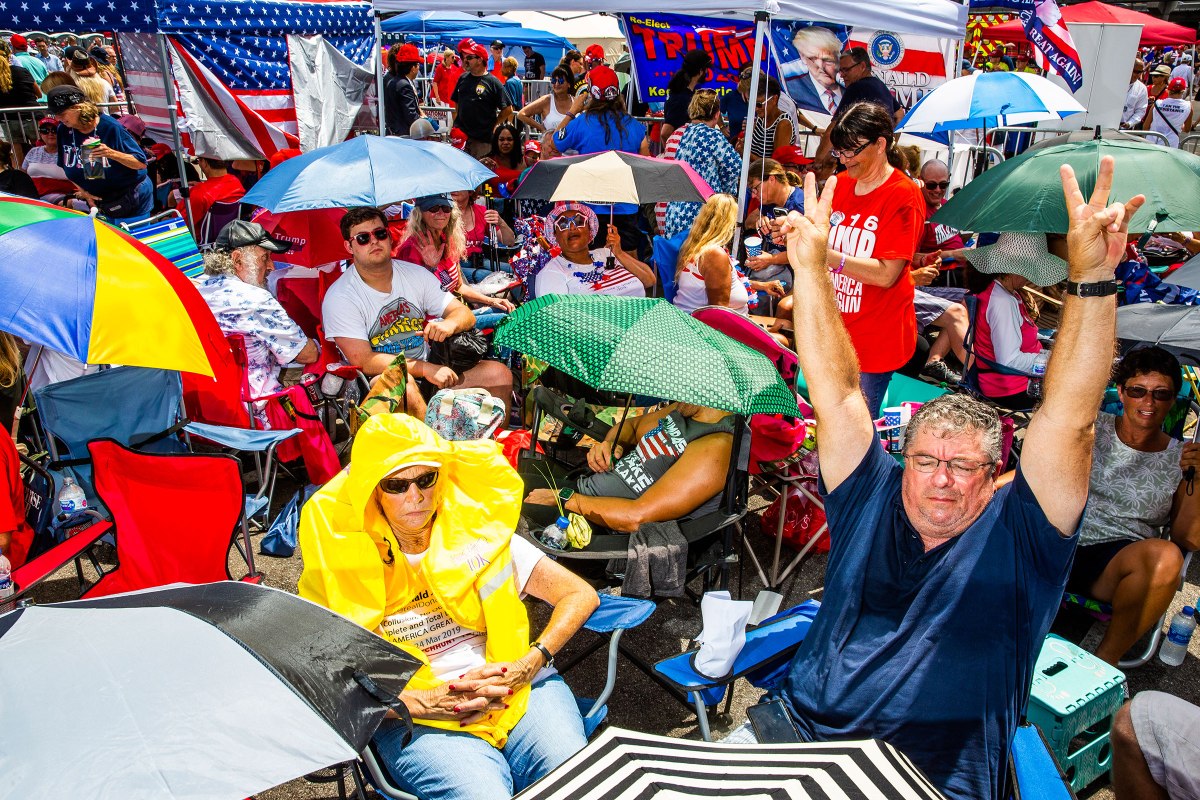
1090	562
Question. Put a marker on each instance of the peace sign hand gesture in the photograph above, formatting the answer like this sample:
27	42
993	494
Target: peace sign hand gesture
808	234
1097	234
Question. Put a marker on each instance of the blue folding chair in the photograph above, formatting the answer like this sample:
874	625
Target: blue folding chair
763	661
168	234
666	256
614	616
1034	774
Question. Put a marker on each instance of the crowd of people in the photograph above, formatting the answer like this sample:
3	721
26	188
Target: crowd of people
941	558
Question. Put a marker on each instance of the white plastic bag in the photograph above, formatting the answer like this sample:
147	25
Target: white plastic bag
724	633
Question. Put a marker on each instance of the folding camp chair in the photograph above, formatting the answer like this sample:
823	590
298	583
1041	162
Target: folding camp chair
763	661
1033	771
666	256
970	381
175	516
219	215
168	234
609	621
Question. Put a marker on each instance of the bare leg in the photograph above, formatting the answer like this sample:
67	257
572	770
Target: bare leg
1130	776
952	325
1140	583
495	377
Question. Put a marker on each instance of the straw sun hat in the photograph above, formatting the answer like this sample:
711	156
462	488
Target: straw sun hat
1022	254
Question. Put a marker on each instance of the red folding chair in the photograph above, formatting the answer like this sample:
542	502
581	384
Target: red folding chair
175	517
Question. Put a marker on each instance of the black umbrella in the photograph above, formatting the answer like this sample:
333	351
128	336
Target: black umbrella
1188	275
216	691
1174	328
621	763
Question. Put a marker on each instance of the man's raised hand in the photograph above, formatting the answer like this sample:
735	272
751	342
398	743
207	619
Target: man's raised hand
808	234
1098	231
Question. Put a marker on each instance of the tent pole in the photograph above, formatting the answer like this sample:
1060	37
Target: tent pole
379	67
760	30
173	115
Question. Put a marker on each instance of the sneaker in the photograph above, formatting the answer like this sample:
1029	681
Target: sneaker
940	373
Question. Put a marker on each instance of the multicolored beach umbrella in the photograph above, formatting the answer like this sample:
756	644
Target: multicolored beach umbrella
82	287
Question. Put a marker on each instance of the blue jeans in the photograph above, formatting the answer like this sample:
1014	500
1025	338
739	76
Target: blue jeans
874	386
449	765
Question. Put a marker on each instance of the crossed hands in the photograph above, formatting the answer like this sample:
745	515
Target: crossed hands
475	694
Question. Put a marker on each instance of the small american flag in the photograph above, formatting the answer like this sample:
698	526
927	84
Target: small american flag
664	440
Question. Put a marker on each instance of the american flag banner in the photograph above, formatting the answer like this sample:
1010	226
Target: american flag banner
79	15
144	79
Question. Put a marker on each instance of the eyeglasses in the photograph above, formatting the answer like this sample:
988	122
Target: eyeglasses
433	210
424	482
959	467
844	70
1136	392
46	130
379	233
843	154
566	223
558	80
937	185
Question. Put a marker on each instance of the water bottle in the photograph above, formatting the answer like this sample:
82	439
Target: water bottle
1038	373
7	589
555	535
71	498
1175	646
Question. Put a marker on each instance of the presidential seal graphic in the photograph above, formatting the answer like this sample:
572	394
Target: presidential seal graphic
886	49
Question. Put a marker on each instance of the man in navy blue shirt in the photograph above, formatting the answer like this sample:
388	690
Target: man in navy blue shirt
940	588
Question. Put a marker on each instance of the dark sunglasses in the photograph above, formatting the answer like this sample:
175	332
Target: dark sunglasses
1138	392
558	80
438	210
942	185
379	233
47	130
400	485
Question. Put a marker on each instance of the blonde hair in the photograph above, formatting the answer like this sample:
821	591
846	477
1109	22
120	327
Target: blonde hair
95	87
89	112
508	66
714	226
6	83
10	360
704	104
454	238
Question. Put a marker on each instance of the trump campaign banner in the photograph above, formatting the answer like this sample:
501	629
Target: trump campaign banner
802	55
658	42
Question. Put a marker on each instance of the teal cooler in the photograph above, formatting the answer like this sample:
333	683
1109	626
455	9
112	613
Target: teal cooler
1073	700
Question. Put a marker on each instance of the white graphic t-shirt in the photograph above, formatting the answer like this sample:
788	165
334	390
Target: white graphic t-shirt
423	623
393	322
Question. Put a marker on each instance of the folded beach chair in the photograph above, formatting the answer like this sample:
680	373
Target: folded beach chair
168	234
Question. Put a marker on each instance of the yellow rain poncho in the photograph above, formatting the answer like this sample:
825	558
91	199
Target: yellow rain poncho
345	541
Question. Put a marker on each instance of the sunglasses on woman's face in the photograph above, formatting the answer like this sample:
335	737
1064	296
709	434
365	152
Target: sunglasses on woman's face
1136	392
558	80
566	223
44	131
438	210
423	481
379	233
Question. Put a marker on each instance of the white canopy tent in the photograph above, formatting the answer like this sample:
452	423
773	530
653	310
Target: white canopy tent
580	28
939	18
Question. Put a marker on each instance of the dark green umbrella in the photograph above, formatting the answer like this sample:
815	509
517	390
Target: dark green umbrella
649	347
1025	193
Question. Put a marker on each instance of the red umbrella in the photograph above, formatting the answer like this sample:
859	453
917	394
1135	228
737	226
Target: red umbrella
314	235
1155	31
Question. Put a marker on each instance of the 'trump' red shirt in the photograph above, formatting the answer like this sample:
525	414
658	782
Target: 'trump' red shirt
885	223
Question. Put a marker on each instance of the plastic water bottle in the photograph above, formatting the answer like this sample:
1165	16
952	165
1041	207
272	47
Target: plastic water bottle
556	535
1175	646
71	498
7	589
1038	373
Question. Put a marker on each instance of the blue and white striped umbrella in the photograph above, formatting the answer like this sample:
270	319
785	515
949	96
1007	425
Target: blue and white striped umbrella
989	100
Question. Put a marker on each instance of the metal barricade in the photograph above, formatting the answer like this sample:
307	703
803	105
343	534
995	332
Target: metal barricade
19	125
1190	143
1163	140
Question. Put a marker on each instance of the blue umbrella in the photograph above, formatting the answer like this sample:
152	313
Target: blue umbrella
366	171
989	100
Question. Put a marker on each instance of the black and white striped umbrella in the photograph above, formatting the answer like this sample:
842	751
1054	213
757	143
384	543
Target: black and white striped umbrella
214	691
623	765
613	177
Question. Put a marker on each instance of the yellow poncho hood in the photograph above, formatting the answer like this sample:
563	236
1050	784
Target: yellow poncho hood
345	539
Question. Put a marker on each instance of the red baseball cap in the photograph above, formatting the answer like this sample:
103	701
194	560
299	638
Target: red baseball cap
594	52
603	83
458	138
533	146
469	47
18	41
790	155
408	52
283	154
1177	85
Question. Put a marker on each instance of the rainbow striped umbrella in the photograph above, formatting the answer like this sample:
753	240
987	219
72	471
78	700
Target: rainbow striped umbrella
82	287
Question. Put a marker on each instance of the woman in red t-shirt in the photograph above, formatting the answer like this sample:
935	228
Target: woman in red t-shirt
445	78
15	535
876	222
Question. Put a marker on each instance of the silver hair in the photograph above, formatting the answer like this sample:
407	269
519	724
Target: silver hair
220	262
952	414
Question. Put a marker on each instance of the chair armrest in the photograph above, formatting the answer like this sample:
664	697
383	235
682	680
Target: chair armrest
616	613
32	573
240	438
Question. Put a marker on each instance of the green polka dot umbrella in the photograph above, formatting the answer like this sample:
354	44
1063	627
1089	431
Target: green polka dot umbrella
649	347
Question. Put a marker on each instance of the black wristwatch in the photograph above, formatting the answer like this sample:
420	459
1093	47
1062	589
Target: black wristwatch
546	654
565	494
1097	289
